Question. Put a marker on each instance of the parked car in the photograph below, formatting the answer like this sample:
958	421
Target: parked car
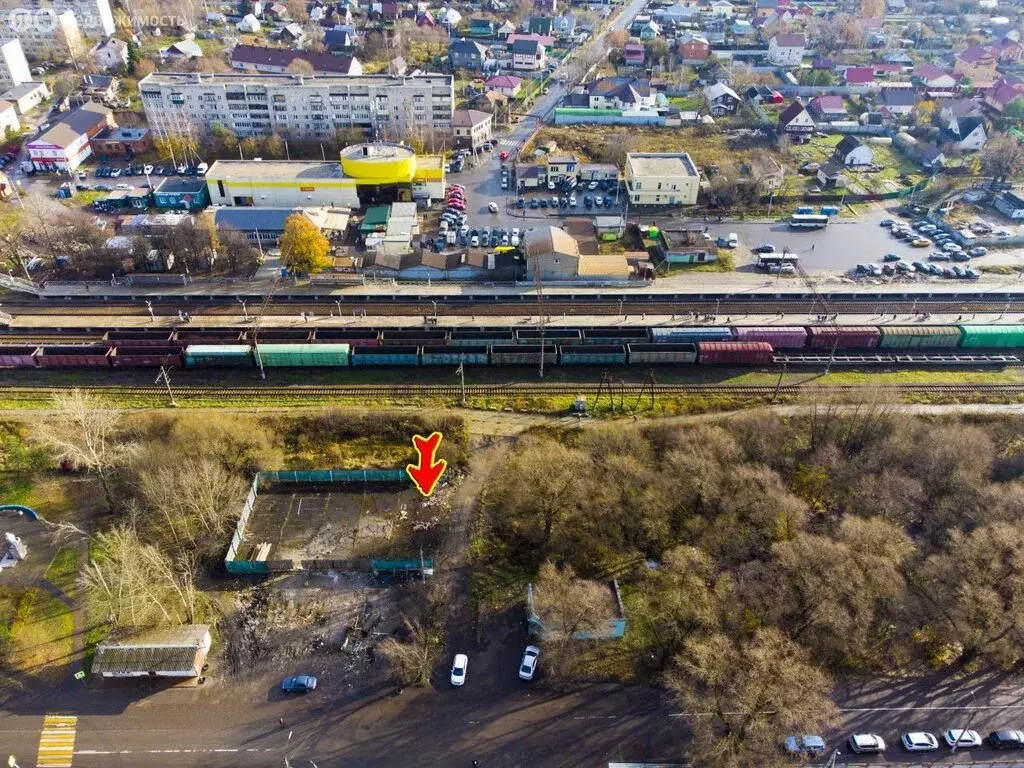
528	666
866	743
885	223
905	268
962	738
888	270
875	270
598	201
972	274
921	242
299	684
919	741
978	250
459	666
1006	740
533	202
766	248
891	257
492	207
520	202
939	256
592	186
572	201
921	267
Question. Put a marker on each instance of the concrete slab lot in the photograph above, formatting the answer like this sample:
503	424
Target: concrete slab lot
326	522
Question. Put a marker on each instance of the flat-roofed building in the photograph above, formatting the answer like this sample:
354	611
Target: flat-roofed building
661	178
157	652
44	33
66	144
13	65
300	106
27	96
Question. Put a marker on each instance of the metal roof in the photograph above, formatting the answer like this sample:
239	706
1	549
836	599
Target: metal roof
159	649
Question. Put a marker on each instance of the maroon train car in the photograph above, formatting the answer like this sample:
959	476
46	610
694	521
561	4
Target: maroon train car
418	338
780	337
18	356
843	337
734	352
139	338
73	356
354	337
146	357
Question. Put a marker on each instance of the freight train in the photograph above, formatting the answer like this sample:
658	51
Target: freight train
703	345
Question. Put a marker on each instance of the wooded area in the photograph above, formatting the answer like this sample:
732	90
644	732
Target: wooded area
756	554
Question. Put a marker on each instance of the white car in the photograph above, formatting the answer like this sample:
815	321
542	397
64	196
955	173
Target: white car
475	241
865	742
122	186
147	169
492	207
459	669
919	741
592	185
572	201
515	241
515	232
528	666
962	739
551	186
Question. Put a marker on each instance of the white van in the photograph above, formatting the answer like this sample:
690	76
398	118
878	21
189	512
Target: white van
733	240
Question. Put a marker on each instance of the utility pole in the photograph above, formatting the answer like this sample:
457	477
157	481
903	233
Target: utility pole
245	313
149	306
540	308
461	370
165	375
778	384
960	736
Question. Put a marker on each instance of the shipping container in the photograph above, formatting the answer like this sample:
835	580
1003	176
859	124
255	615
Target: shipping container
843	337
455	355
284	334
919	337
551	336
218	355
593	354
78	355
662	354
486	338
729	352
146	357
690	334
781	337
393	355
615	336
18	357
139	338
523	354
303	355
417	338
992	336
203	337
354	337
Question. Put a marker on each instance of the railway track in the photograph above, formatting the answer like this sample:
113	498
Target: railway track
509	390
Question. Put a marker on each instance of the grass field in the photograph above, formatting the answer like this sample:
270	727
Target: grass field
39	631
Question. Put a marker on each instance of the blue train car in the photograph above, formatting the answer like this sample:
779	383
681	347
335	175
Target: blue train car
593	354
685	334
384	355
454	355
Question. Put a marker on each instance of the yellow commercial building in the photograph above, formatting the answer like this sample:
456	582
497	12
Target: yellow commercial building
366	174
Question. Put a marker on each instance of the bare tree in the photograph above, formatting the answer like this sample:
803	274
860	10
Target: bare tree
85	433
1002	157
567	605
412	658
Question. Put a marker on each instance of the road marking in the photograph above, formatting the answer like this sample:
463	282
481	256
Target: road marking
210	750
57	741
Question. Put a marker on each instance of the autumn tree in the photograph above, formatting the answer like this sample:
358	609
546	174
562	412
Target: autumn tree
567	605
413	654
86	434
1002	157
300	67
743	697
304	249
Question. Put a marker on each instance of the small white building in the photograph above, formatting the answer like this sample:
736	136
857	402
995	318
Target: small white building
26	96
111	53
661	178
787	49
157	652
249	23
9	117
851	151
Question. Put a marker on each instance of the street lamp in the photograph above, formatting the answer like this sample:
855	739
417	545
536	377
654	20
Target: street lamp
960	736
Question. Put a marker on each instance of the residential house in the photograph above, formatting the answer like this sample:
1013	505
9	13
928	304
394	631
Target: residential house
176	652
472	128
277	60
634	54
764	8
449	17
65	144
181	51
26	96
851	151
649	31
827	108
14	69
661	178
932	158
9	118
1004	92
276	12
340	40
539	25
101	88
677	14
722	9
426	19
1010	204
1008	50
722	100
967	133
787	49
762	94
545	7
481	27
859	76
564	26
935	80
467	54
796	121
249	24
504	30
111	53
559	167
292	33
896	7
899	57
965	107
978	64
899	101
552	252
830	175
625	93
528	56
694	48
506	85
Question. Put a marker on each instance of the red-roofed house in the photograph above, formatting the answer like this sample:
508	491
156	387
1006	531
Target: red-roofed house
796	121
1008	50
506	85
546	40
884	69
935	80
978	64
859	75
827	108
1000	95
695	48
633	53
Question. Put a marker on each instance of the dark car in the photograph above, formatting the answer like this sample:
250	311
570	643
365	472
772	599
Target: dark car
534	203
299	684
521	202
543	202
1006	740
608	200
888	270
588	201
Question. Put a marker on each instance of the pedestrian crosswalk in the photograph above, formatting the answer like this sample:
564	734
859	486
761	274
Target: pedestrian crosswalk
510	143
57	741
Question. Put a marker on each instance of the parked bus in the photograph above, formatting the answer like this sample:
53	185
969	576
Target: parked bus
808	221
773	262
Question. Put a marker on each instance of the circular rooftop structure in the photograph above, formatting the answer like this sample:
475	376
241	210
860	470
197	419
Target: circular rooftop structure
379	163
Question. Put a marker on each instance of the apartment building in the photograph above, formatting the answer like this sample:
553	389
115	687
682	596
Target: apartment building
13	65
43	33
94	17
661	178
296	105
